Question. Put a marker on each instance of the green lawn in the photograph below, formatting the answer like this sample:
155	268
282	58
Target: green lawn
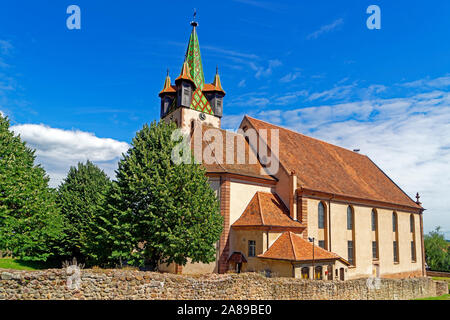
9	263
444	297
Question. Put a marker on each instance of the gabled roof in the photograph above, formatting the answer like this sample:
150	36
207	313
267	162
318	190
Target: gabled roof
219	163
292	247
267	210
323	167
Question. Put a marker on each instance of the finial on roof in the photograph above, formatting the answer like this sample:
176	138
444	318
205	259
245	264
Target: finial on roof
418	198
217	69
193	22
167	71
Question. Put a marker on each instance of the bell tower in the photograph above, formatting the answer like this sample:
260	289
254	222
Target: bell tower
191	99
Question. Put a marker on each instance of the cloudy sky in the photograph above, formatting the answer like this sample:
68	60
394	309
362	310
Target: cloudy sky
315	68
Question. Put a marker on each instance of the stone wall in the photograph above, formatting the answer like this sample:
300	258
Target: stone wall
127	284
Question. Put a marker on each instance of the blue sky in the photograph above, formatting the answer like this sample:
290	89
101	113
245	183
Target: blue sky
311	66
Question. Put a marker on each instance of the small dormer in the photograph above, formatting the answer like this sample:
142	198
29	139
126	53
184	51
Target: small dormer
185	86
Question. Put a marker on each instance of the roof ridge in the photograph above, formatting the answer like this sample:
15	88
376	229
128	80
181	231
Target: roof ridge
292	245
304	135
260	208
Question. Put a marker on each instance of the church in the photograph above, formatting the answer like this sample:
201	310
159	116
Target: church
325	213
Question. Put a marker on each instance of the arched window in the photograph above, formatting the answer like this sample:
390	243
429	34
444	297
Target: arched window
394	222
321	216
318	273
411	223
349	218
305	273
374	220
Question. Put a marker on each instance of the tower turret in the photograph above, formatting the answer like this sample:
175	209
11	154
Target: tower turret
167	96
190	99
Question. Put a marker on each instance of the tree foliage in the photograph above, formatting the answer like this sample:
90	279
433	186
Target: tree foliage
30	222
437	251
159	212
81	197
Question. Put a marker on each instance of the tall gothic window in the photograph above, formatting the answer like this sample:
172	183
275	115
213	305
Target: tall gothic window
394	222
350	252
349	218
411	223
374	220
321	216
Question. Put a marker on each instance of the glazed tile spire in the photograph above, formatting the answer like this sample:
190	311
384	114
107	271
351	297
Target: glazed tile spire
194	59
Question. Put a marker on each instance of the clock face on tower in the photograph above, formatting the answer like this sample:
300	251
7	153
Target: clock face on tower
202	116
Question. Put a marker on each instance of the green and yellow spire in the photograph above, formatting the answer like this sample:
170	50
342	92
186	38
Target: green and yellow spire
194	58
194	62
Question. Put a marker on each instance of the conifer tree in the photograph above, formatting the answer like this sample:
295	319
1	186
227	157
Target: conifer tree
161	212
30	223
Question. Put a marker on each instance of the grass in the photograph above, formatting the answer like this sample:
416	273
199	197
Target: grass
10	263
444	297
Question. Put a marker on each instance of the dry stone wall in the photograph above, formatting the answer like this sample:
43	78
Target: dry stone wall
128	284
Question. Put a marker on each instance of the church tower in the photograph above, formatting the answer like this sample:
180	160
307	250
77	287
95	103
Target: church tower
191	99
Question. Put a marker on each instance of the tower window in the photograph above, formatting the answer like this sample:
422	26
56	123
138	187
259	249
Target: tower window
411	223
322	244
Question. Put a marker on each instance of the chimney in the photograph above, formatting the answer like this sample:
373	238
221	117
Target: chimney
292	195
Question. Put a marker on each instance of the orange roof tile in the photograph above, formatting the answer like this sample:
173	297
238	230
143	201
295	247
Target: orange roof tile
267	209
185	73
219	163
321	166
215	86
292	247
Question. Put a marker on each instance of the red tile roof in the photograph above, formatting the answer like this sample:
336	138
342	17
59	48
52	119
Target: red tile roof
292	247
321	166
267	210
220	165
237	257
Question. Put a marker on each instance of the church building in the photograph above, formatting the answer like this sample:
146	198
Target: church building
326	213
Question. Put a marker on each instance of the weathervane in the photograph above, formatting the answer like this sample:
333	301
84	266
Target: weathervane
193	22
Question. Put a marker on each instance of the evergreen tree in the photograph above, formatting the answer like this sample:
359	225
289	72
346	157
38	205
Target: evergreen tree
161	212
30	222
81	197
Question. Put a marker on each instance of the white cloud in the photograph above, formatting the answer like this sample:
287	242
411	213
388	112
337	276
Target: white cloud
265	72
409	138
291	76
437	83
58	149
325	29
242	83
